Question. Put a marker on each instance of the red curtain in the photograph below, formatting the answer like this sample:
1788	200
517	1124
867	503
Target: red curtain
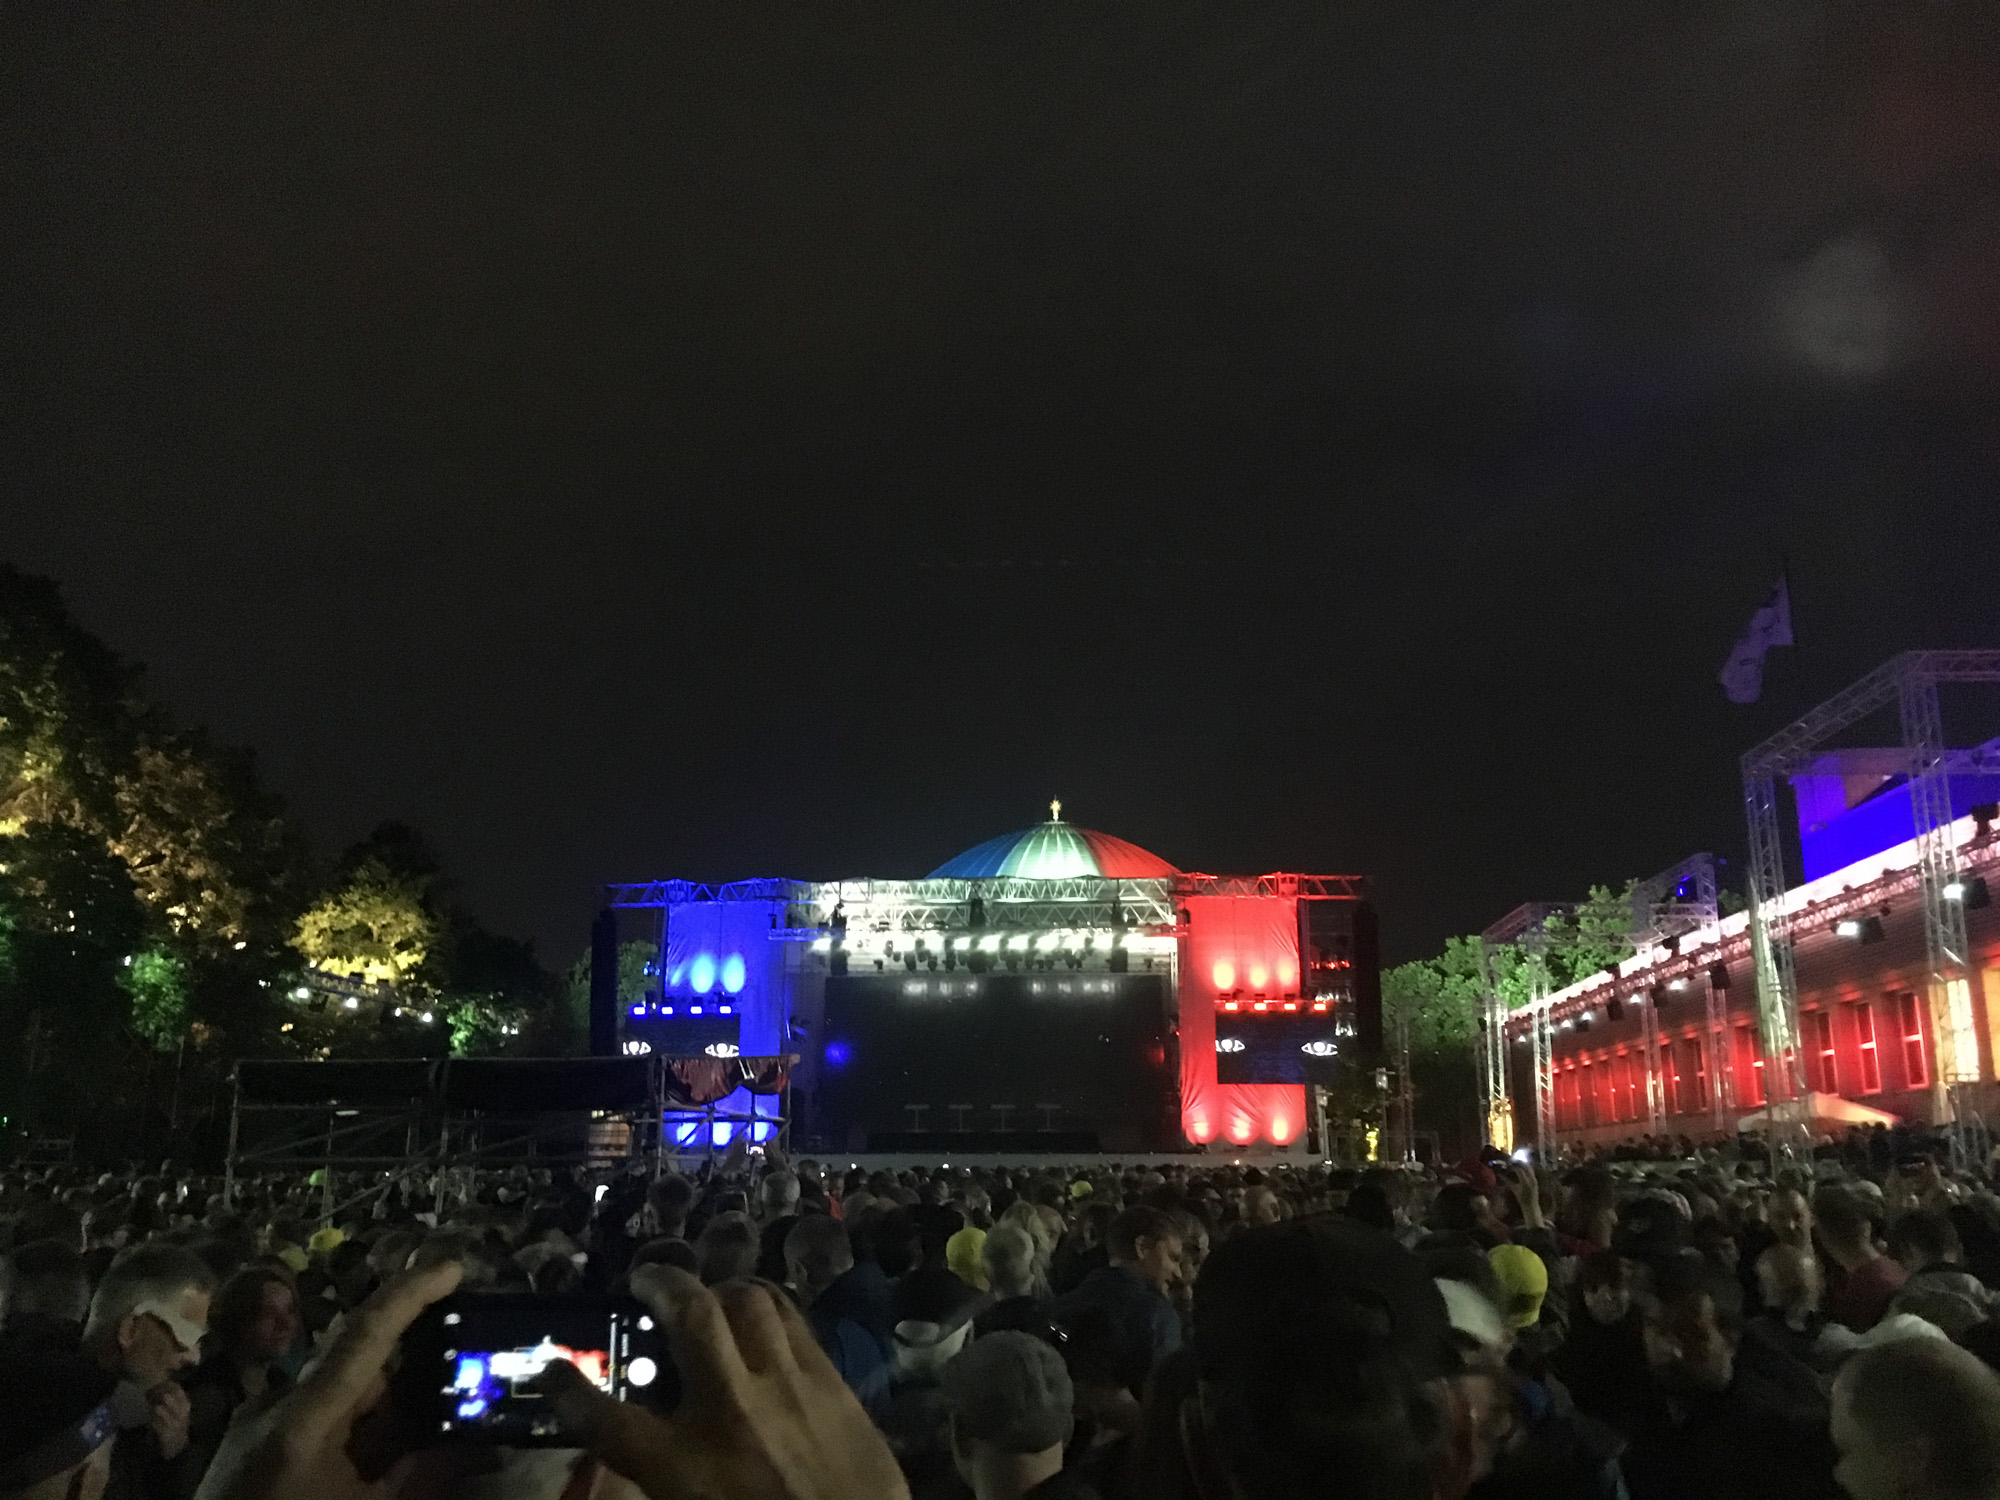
1235	942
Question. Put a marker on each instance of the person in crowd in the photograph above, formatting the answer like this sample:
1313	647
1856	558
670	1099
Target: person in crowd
1917	1419
1602	1358
1862	1281
56	1426
146	1323
819	1261
1082	1249
1008	1258
727	1248
47	1295
1925	1243
1788	1285
1725	1426
778	1193
252	1324
1144	1247
1011	1404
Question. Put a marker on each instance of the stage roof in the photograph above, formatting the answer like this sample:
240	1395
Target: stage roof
1055	850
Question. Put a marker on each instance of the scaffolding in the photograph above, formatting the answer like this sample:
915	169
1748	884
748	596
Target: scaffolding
1526	925
1910	682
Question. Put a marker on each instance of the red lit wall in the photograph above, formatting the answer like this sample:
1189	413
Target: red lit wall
1234	942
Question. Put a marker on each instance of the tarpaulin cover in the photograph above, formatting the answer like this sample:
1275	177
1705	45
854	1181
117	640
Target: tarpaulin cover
498	1084
695	1081
381	1081
1235	942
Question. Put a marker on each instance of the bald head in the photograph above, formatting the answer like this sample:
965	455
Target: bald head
1918	1417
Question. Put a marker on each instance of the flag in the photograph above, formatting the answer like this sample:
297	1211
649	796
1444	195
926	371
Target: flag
1742	676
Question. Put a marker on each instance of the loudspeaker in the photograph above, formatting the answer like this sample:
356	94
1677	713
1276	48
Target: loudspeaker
1583	1023
604	984
1718	976
1614	1009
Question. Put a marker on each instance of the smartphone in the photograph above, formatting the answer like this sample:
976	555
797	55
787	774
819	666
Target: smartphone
469	1363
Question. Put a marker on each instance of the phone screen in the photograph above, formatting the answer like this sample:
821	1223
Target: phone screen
472	1360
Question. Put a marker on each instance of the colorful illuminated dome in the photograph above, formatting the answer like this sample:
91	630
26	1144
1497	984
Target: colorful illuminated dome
1055	850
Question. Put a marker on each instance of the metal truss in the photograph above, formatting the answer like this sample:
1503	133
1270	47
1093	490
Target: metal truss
1910	681
1527	924
1681	899
661	893
1304	887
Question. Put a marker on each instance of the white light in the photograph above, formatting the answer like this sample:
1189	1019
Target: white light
822	945
719	1049
1678	984
351	1003
1318	1049
301	993
1848	927
1229	1044
645	1323
1955	891
641	1370
426	1018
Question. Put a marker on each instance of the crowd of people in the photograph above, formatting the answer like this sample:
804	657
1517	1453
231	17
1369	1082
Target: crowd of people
1678	1327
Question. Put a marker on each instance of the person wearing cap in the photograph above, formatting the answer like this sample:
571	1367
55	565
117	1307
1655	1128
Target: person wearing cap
146	1323
56	1427
1011	1407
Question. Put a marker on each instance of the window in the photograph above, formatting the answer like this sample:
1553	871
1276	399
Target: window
1910	1027
1961	1065
1698	1074
1749	1068
1862	1017
1821	1072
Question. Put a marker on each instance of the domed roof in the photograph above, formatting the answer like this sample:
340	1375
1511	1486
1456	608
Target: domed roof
1053	851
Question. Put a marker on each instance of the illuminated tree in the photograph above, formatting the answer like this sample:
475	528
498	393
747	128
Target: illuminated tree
158	984
375	927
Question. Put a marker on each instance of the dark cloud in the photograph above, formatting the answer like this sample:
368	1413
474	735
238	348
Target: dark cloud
711	439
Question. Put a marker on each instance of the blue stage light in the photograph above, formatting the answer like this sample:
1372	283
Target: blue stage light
733	974
722	1010
666	1010
701	974
837	1054
638	1010
720	1131
694	1010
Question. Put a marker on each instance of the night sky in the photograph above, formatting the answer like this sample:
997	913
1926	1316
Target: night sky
725	439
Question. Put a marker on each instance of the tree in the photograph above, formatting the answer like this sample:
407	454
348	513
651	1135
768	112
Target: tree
375	927
157	982
635	977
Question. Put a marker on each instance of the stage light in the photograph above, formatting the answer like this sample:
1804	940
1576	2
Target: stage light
1678	985
694	1010
822	945
302	993
666	1010
838	1054
1287	972
351	1003
1969	891
734	973
1224	975
1861	929
426	1018
701	974
1281	1130
1259	976
638	1010
724	1010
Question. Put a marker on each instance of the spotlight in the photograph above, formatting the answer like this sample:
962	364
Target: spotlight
1583	1022
1969	891
1861	929
1677	985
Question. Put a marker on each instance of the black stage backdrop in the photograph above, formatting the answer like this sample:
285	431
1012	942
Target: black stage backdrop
996	1062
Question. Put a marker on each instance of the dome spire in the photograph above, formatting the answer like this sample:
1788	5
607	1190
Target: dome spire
1055	809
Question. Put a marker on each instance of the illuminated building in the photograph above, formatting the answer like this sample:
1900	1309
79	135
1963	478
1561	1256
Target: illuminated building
1052	989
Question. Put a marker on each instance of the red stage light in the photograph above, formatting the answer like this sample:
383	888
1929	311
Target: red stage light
1281	1129
1259	976
1291	1005
1225	975
1287	972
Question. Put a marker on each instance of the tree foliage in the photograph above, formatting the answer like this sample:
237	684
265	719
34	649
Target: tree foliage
376	926
158	984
